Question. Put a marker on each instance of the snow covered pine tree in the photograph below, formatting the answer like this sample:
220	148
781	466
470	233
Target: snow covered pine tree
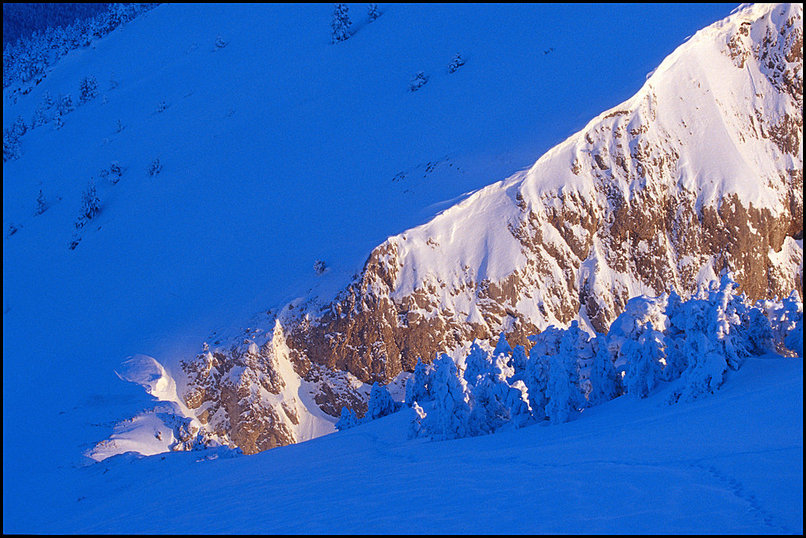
380	403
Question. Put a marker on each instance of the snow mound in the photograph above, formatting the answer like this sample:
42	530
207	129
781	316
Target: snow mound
150	374
168	426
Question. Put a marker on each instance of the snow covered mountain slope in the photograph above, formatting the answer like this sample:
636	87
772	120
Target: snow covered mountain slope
277	149
700	172
674	184
731	463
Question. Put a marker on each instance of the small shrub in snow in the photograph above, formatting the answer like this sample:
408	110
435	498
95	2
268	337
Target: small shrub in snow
115	172
319	267
456	63
220	43
40	117
162	106
419	80
12	229
19	127
154	168
41	204
11	145
90	203
47	101
340	25
90	206
65	105
89	89
76	239
372	12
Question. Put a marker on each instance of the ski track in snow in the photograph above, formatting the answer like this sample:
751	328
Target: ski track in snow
736	487
700	465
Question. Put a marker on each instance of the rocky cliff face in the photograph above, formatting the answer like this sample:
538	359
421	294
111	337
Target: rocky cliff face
250	395
700	172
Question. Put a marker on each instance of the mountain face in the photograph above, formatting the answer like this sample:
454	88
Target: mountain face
700	172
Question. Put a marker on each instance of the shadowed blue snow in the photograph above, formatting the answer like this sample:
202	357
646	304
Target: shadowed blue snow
731	463
277	150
